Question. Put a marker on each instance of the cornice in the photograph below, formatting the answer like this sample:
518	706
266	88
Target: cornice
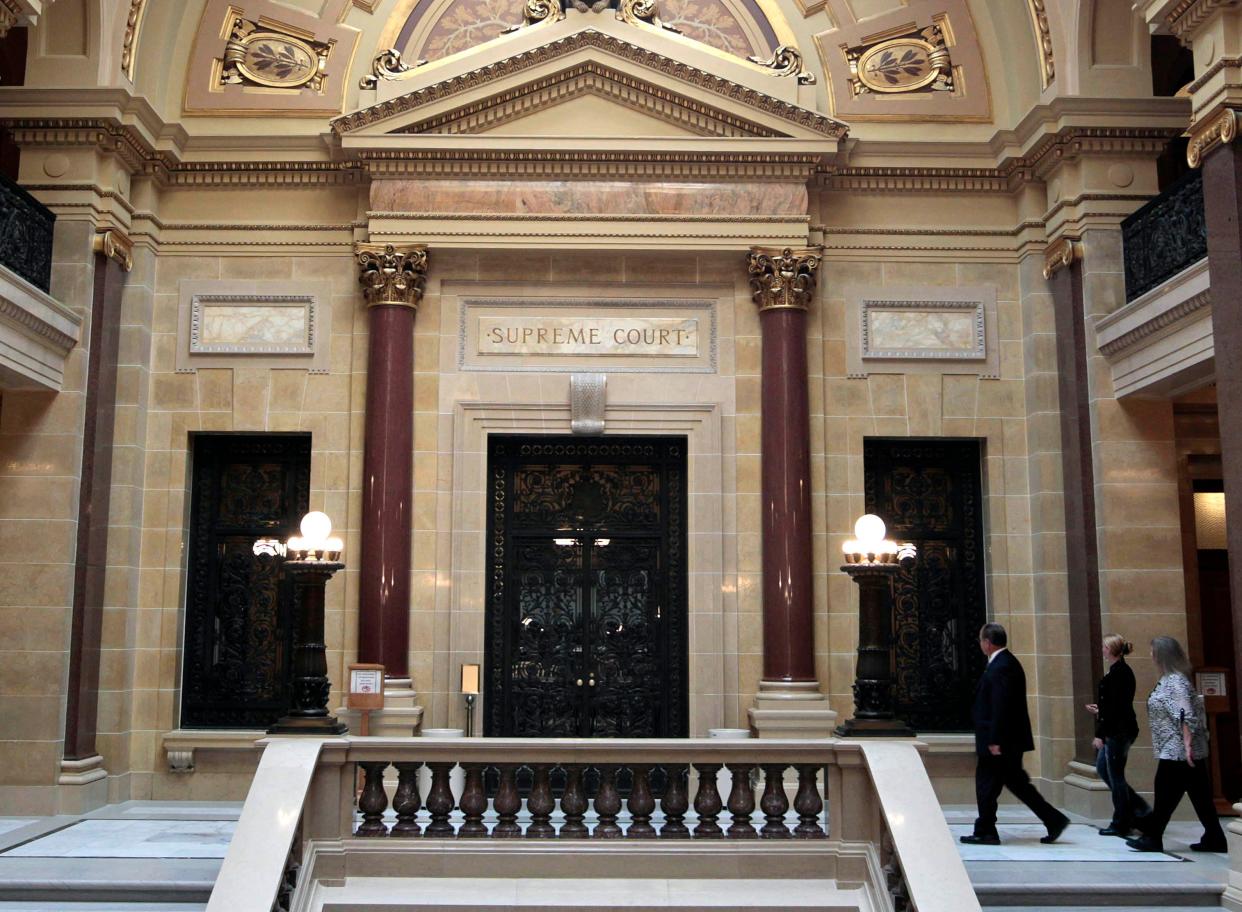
590	77
526	60
916	180
405	163
1185	18
16	315
1166	318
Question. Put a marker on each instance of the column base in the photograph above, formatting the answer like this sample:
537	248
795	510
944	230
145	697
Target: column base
1086	793
322	726
83	785
791	709
874	728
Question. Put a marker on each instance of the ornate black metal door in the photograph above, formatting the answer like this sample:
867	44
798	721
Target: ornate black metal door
929	492
237	629
586	601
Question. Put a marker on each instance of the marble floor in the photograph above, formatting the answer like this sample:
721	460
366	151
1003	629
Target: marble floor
117	853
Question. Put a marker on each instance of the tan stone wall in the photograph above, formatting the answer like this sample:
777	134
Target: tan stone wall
1138	516
1044	630
40	474
243	399
922	405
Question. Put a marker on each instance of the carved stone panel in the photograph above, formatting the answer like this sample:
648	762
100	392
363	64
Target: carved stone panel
238	323
922	330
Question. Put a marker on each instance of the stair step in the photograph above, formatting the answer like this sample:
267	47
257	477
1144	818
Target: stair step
452	894
61	905
1110	908
144	882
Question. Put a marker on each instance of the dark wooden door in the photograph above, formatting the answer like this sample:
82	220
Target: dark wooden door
930	492
237	618
586	602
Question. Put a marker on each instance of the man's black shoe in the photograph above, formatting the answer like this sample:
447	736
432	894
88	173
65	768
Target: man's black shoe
976	839
1112	830
1055	831
1209	847
1145	844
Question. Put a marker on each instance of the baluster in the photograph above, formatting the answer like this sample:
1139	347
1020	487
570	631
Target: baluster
808	804
774	803
674	804
473	802
741	802
507	804
374	800
440	800
607	804
406	801
641	804
707	802
574	804
541	804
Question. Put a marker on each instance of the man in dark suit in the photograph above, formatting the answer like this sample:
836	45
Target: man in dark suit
1002	736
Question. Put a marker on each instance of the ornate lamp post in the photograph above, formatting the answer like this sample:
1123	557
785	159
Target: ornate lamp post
310	559
871	560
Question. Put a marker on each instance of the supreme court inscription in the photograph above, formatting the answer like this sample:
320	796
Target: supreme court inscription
544	335
565	334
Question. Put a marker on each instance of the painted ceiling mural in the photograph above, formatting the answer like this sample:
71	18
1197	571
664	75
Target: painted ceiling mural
736	27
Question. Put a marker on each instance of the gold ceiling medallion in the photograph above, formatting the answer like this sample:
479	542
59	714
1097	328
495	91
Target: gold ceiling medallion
258	55
1220	130
916	62
786	61
537	11
783	278
387	65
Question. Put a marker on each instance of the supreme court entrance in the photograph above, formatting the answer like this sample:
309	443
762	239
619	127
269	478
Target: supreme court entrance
586	617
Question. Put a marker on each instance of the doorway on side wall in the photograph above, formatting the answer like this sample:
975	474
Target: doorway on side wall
930	492
1205	573
238	634
586	617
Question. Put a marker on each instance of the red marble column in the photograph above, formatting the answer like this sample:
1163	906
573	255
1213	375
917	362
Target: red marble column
113	258
392	281
1063	270
783	285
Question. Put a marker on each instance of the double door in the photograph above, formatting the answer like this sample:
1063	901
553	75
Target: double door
586	605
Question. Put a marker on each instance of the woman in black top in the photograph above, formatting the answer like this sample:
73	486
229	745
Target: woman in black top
1116	727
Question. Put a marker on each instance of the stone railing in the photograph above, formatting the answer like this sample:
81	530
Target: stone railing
322	811
25	235
1165	236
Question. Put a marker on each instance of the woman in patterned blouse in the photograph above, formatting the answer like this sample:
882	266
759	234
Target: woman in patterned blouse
1180	742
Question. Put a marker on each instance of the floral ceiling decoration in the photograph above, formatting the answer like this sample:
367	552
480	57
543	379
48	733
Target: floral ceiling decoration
463	24
261	56
914	62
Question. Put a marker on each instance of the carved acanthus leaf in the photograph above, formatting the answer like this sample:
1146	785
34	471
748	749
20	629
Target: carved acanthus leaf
786	61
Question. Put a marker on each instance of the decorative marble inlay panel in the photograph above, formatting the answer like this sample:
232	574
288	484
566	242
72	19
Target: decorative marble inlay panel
553	197
244	323
913	330
555	334
923	329
283	324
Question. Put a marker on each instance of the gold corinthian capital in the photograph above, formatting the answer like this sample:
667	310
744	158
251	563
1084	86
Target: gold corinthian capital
391	275
783	277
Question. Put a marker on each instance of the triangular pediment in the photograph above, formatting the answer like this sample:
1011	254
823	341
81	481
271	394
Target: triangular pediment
593	81
589	99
